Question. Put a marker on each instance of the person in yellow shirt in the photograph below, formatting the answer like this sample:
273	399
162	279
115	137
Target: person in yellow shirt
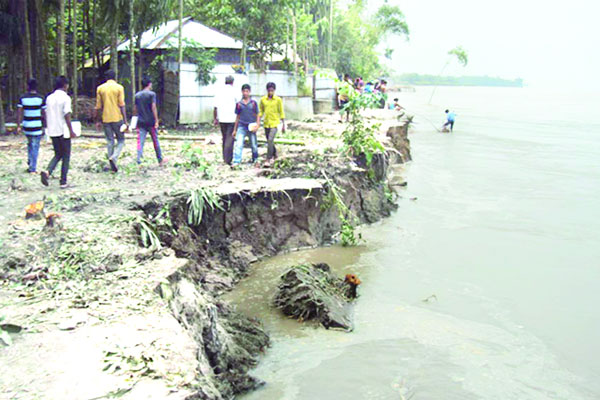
110	98
271	108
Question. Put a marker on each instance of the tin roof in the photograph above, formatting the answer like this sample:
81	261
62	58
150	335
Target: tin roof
167	36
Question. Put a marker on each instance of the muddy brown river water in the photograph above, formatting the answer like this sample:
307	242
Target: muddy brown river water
504	233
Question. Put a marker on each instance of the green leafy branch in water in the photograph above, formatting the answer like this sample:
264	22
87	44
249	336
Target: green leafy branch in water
349	221
199	200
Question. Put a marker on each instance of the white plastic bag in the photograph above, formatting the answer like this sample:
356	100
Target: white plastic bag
134	122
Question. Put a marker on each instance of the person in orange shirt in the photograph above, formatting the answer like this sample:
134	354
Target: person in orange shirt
110	98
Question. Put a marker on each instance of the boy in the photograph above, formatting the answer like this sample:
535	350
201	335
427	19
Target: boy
246	111
145	109
450	117
110	98
58	118
271	107
30	117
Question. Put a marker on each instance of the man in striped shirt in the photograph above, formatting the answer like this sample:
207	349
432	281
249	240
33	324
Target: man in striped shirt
30	120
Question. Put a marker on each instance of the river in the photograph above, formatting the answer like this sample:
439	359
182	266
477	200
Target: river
504	233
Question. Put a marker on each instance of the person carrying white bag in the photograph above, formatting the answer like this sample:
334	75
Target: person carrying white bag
60	130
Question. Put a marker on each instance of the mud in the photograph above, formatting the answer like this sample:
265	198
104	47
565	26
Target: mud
95	261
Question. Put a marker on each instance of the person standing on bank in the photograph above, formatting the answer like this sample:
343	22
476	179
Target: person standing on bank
30	119
58	119
147	113
271	107
224	116
247	122
110	98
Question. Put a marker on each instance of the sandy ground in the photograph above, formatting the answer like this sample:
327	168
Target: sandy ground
83	295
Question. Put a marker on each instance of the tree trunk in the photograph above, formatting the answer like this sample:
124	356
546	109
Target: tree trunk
330	41
95	62
75	81
131	52
180	57
140	59
60	22
114	55
2	121
46	75
294	43
27	43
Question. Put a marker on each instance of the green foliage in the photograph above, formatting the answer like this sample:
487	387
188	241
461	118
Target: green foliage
358	137
201	199
461	55
193	52
334	198
391	20
148	233
193	158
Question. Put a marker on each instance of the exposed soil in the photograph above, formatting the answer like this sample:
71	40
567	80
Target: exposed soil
104	315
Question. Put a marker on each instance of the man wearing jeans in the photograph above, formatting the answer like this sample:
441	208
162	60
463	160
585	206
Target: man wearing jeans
58	116
31	118
145	109
271	107
224	116
110	98
247	113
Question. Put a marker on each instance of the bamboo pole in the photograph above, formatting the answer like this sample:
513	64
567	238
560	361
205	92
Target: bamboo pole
290	142
75	82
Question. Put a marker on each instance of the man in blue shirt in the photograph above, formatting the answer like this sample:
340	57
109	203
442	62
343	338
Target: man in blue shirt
247	123
30	120
450	117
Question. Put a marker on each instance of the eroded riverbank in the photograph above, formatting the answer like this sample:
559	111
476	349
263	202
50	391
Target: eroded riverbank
93	284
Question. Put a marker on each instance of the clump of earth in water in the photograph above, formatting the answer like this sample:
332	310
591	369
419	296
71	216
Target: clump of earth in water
313	292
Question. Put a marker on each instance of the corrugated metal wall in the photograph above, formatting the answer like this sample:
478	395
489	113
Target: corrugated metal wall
197	104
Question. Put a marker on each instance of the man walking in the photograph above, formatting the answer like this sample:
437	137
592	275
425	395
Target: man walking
247	122
145	109
58	118
224	115
30	116
271	107
110	98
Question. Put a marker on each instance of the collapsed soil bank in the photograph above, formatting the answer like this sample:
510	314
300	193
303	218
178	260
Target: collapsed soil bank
281	215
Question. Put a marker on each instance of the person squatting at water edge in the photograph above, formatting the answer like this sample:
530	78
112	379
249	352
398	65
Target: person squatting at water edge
450	117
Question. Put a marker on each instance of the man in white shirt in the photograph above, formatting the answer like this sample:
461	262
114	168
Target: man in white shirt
224	115
58	121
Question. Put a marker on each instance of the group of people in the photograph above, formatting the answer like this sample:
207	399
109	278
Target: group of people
238	117
53	113
241	117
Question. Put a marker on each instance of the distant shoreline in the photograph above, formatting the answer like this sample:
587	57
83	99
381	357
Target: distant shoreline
470	81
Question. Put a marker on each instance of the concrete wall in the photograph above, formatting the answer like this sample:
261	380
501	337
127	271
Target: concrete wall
197	103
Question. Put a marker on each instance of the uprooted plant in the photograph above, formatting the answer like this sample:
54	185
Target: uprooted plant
199	200
348	236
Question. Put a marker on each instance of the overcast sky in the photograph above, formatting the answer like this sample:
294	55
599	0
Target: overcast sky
544	42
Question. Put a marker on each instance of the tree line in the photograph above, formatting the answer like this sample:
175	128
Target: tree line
46	38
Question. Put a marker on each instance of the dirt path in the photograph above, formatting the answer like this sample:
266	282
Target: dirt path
84	294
